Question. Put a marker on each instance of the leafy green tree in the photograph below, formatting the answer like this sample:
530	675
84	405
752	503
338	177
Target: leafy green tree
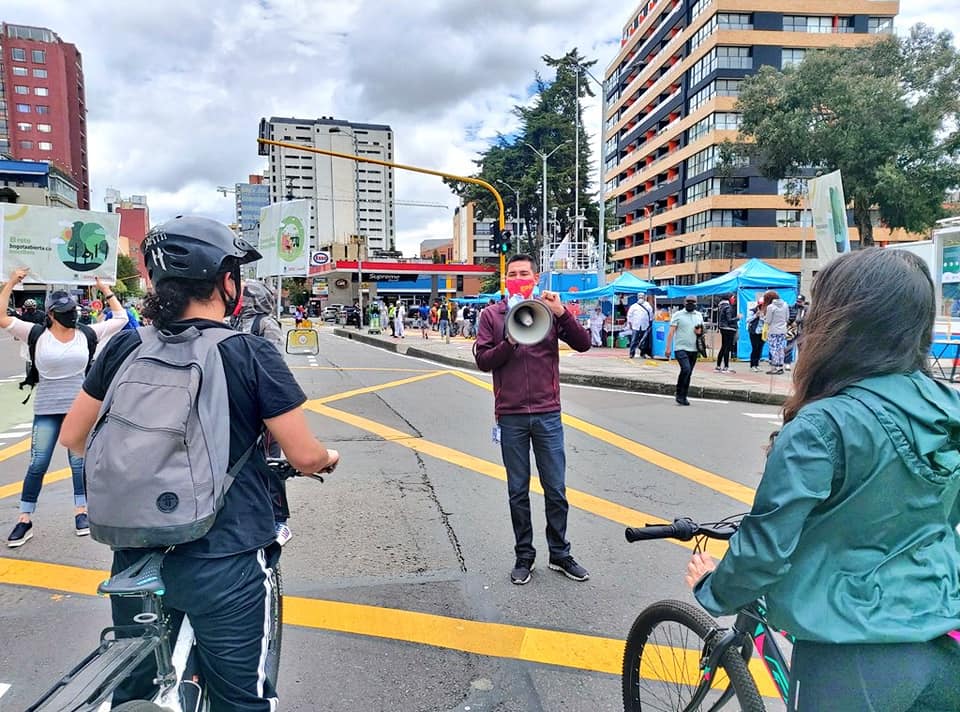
545	124
128	278
884	114
297	290
490	283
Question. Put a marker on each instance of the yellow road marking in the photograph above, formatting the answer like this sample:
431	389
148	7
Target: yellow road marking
732	489
373	389
500	640
365	368
16	487
15	449
581	500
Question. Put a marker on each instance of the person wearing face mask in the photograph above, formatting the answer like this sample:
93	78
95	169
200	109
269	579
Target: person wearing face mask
685	325
61	352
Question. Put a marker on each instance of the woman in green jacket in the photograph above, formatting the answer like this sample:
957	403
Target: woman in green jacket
853	536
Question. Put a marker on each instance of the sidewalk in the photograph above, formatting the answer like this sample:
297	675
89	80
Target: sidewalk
606	367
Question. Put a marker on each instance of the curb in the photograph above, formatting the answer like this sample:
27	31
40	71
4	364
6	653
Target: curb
615	382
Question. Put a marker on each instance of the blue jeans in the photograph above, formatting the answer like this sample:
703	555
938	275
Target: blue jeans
636	340
545	432
46	430
444	327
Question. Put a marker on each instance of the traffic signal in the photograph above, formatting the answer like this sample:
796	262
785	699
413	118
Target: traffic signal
505	243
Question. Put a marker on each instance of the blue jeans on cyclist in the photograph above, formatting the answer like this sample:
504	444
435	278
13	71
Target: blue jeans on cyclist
545	432
46	430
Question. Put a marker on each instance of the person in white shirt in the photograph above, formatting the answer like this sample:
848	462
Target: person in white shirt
639	319
597	320
62	358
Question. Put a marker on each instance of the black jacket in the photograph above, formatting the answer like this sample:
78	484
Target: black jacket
727	318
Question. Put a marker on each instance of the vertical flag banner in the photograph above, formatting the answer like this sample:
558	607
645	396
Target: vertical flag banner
59	245
829	209
284	233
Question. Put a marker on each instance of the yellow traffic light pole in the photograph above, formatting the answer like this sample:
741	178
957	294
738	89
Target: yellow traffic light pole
501	218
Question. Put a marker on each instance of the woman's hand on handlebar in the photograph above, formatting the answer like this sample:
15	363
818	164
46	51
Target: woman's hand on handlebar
700	565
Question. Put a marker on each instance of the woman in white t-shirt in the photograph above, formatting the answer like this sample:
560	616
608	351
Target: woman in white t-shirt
62	358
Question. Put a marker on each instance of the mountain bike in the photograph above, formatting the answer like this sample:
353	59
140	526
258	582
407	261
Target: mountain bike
90	685
679	658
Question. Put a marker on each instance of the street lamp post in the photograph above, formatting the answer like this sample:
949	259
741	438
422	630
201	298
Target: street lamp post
543	158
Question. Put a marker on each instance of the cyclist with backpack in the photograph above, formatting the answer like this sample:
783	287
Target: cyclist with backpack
146	444
60	352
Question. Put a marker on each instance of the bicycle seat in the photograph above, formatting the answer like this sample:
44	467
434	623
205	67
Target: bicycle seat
140	579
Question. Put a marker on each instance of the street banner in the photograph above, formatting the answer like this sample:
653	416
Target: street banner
59	245
284	232
829	210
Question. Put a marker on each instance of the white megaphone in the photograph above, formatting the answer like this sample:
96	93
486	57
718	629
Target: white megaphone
529	321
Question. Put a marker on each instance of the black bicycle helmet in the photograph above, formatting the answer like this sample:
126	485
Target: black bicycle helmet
191	247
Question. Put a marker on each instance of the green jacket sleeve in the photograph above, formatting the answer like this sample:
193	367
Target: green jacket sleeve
798	476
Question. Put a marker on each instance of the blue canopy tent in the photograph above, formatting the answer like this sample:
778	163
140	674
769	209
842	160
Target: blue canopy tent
626	283
749	281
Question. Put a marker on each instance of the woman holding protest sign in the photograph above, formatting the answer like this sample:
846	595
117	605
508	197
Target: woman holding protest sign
61	351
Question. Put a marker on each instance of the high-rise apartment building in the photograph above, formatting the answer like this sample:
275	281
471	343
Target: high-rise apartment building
351	200
472	236
669	103
43	115
251	197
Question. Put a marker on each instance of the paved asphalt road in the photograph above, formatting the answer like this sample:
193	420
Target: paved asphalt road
396	580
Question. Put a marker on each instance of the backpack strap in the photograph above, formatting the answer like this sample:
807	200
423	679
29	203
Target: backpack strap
33	378
257	326
92	341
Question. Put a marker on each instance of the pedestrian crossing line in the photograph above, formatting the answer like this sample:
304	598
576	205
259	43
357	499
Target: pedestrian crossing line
713	481
384	370
374	389
15	488
15	449
499	640
598	506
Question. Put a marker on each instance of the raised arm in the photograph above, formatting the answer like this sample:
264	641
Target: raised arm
16	277
118	317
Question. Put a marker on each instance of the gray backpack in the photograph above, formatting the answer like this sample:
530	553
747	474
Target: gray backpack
157	460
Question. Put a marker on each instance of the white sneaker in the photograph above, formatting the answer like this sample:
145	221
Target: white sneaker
786	366
283	533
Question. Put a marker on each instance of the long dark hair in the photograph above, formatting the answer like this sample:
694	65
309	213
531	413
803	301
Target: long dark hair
872	313
170	299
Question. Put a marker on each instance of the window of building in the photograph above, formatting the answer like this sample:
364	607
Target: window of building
40	73
702	161
19	54
794	218
23	108
702	96
43	109
21	89
703	189
728	87
19	71
792	186
41	91
791	57
880	25
817	25
44	128
734	186
39	56
26	144
698	7
734	21
45	146
24	126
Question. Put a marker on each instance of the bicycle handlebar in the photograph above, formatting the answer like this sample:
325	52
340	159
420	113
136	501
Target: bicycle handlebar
683	529
284	470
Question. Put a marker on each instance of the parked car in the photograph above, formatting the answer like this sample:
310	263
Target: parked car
331	312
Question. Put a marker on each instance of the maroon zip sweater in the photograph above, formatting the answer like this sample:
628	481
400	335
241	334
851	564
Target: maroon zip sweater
526	379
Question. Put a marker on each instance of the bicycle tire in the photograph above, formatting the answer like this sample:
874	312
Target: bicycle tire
699	623
272	663
139	706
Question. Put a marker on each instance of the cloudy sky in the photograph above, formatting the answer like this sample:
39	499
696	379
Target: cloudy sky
175	89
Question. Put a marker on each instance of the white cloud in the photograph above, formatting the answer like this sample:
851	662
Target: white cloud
175	89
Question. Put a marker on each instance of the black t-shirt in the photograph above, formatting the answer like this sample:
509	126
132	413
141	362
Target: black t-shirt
259	386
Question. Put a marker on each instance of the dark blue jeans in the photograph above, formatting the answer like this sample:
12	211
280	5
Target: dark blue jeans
636	340
545	432
46	430
687	360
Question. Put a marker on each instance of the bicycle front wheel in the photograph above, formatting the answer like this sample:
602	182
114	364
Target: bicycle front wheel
661	665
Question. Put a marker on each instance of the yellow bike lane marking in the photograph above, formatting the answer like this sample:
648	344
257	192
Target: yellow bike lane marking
499	640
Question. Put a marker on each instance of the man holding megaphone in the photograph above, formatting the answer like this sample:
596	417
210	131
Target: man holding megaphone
518	341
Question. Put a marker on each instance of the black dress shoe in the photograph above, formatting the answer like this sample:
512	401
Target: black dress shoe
682	401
